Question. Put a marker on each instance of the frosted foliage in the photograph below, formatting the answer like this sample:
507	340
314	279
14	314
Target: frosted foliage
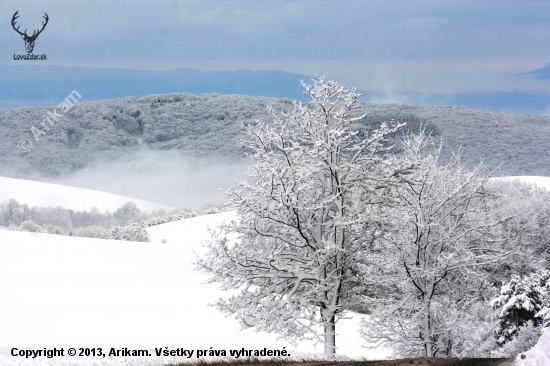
308	210
129	233
524	299
29	226
14	213
527	336
527	231
91	232
210	125
432	260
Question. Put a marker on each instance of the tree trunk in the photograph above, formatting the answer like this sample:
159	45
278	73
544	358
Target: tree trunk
330	336
426	330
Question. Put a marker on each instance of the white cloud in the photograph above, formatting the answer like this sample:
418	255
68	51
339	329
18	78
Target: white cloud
165	177
431	45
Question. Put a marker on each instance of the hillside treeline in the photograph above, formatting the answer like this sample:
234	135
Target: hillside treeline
211	125
127	222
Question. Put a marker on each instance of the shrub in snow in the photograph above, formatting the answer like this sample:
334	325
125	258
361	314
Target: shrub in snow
526	337
13	213
8	212
181	215
30	226
91	232
521	300
53	229
129	233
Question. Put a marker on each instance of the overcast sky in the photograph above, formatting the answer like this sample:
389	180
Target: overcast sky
426	46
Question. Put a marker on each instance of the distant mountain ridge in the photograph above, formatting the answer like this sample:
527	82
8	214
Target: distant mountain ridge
209	125
48	85
26	85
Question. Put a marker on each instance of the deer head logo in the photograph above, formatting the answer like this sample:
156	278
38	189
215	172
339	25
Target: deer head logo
29	40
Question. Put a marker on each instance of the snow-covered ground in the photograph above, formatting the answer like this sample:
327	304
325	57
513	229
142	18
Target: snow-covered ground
78	292
543	182
539	355
59	291
46	194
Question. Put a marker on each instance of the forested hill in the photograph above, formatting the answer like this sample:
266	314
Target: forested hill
520	142
210	125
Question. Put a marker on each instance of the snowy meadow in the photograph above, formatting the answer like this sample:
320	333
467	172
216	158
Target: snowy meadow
81	292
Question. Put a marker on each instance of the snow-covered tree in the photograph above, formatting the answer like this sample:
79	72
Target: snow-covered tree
128	213
309	208
527	230
526	337
433	254
524	299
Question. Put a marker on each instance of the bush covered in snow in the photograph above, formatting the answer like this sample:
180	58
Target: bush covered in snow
524	304
91	232
180	216
129	233
59	220
29	225
525	299
526	337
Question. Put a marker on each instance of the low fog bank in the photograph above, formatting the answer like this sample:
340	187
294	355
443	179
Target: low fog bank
164	177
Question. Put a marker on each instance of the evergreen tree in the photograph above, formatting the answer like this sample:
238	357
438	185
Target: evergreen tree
522	300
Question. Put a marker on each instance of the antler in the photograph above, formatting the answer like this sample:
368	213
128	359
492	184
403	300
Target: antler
34	35
15	16
44	23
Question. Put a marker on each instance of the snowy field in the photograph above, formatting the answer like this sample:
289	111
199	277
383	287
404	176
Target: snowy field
81	292
63	292
47	194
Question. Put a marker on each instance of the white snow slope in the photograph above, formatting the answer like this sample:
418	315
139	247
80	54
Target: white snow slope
63	291
539	355
543	182
46	194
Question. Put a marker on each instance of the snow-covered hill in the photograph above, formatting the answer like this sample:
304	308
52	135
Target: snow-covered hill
80	292
543	182
60	291
203	125
46	194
